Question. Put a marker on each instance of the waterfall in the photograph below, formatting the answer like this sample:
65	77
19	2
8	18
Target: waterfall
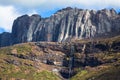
71	60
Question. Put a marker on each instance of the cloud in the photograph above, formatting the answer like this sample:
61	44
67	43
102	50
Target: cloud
25	3
45	4
31	12
8	14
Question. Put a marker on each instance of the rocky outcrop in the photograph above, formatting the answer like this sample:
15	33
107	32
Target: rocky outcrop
66	24
5	39
24	27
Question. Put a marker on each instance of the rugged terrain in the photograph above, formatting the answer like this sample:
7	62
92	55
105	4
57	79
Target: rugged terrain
94	59
71	44
65	24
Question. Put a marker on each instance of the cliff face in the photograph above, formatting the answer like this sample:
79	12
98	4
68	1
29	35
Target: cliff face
66	24
24	27
5	39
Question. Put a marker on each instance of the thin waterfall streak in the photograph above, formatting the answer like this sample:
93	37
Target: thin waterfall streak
71	60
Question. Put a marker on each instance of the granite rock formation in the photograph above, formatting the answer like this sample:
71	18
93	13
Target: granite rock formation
68	23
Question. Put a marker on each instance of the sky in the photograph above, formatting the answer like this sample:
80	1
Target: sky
11	9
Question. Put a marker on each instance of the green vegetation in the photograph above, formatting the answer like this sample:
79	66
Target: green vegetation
25	72
45	75
5	50
16	63
111	58
111	73
23	49
80	75
108	71
13	67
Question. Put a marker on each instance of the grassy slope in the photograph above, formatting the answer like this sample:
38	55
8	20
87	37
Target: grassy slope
24	69
12	67
104	72
107	71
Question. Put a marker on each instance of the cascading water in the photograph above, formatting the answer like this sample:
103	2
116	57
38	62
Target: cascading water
71	61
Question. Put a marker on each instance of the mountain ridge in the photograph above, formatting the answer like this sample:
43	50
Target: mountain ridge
66	24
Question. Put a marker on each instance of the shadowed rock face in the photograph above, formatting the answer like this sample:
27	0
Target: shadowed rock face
24	27
68	23
5	39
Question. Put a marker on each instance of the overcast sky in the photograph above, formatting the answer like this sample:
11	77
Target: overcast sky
11	9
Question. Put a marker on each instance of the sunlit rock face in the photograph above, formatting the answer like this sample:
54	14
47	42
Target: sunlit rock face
68	23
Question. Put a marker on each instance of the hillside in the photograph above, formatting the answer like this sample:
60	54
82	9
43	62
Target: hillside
97	59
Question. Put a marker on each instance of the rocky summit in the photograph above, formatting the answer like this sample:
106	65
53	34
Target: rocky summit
66	24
